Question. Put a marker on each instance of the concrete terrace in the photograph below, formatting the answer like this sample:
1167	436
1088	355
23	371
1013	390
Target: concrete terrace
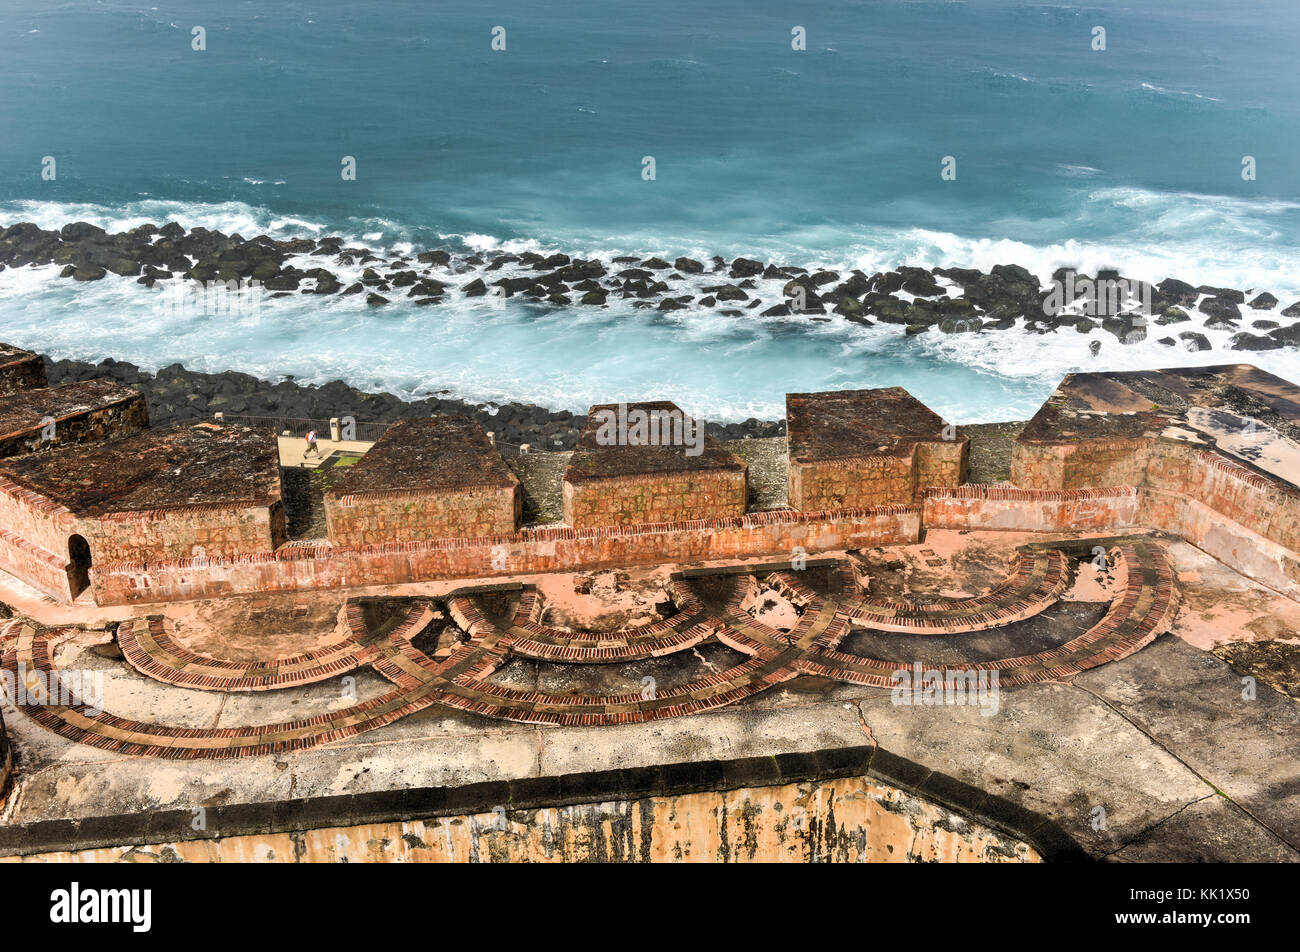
1036	768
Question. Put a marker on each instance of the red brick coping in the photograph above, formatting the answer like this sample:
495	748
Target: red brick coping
30	651
308	552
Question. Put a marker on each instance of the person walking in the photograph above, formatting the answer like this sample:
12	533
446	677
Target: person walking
311	445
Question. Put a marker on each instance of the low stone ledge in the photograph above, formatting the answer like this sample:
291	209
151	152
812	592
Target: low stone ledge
532	793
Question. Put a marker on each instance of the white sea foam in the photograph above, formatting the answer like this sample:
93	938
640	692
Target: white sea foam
1184	93
722	367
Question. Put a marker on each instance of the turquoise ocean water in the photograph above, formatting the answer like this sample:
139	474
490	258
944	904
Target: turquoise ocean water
829	156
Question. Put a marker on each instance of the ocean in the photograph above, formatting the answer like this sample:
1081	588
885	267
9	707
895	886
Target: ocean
831	156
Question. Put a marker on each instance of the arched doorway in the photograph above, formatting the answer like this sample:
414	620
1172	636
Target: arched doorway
79	556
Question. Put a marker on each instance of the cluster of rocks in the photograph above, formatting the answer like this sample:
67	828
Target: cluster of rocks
1222	310
175	394
152	254
949	300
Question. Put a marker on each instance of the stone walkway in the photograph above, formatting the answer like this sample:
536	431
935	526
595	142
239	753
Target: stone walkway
461	676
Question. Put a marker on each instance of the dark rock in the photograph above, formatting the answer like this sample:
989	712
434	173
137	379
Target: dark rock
745	268
1221	309
889	282
82	231
923	285
1246	341
1194	341
427	287
376	300
1226	294
1014	274
849	306
963	276
727	292
1287	335
1128	328
1265	302
688	266
855	285
515	285
887	308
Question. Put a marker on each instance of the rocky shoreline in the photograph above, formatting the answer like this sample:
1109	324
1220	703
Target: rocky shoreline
917	300
175	394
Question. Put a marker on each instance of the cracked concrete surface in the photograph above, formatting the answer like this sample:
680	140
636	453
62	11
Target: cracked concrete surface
1185	765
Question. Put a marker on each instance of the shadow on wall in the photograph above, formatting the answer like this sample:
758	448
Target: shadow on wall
6	759
78	564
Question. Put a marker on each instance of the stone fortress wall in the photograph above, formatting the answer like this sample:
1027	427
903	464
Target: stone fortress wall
862	448
427	479
434	502
20	370
654	498
86	483
1234	509
615	484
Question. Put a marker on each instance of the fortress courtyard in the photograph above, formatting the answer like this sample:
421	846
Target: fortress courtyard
885	637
